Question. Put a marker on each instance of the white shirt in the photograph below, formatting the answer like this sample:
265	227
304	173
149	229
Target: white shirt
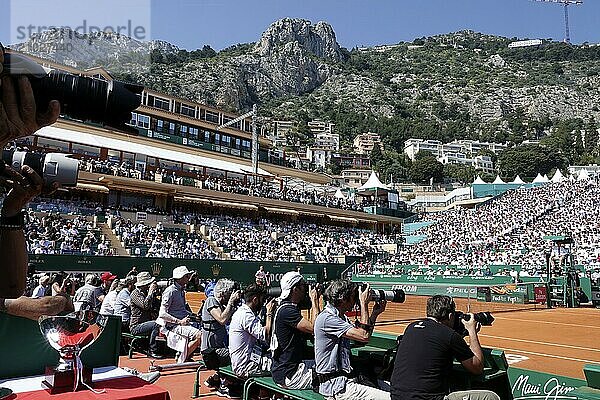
108	304
245	329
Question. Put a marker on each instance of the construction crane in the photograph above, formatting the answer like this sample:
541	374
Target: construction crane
566	4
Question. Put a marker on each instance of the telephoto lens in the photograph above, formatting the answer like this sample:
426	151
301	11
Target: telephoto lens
51	167
484	318
83	98
393	296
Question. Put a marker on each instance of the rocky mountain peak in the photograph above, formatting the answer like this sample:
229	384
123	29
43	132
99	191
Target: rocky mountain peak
70	47
318	39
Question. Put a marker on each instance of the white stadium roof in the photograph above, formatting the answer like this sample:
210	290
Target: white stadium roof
89	139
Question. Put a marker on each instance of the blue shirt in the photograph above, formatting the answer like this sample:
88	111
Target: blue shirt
332	350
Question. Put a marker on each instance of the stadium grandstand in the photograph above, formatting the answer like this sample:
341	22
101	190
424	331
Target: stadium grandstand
175	200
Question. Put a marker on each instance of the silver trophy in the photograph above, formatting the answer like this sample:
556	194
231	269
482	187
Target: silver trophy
70	335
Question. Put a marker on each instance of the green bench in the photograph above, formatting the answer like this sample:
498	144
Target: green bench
592	390
129	339
266	382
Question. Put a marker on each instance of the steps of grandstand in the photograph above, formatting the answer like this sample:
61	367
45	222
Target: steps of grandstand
412	227
114	240
214	246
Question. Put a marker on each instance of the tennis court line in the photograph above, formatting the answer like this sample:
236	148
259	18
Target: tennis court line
542	343
547	322
552	356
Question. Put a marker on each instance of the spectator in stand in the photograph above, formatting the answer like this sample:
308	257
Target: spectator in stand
143	316
42	287
62	283
290	369
123	302
107	279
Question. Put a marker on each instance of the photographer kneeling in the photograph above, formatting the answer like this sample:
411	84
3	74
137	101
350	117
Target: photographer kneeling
426	353
333	333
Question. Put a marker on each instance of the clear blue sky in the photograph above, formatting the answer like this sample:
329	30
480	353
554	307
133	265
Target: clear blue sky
220	23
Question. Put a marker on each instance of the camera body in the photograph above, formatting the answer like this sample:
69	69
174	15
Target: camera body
484	318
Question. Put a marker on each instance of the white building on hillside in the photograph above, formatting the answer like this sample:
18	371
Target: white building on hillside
469	148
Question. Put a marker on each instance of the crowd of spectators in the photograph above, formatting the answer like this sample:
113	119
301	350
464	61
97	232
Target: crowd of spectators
50	233
510	229
266	240
264	188
158	241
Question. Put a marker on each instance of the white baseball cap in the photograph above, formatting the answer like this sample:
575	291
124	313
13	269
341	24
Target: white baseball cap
288	281
181	271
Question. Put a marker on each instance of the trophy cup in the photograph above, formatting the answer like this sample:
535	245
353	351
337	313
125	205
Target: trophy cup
70	335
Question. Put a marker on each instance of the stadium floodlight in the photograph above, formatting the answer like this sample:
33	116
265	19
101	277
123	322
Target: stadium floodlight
254	115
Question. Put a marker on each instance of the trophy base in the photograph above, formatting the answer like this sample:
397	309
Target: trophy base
64	381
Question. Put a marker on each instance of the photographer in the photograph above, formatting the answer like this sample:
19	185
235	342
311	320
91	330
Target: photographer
333	333
426	353
247	334
87	297
142	321
175	312
19	117
108	304
290	331
123	302
216	313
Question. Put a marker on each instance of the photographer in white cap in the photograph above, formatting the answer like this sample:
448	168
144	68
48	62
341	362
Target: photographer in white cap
290	331
175	311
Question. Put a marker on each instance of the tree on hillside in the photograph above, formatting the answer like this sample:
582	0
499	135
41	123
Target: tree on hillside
376	157
529	160
425	167
461	173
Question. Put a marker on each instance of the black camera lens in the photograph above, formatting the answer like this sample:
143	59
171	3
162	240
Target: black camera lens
83	98
393	296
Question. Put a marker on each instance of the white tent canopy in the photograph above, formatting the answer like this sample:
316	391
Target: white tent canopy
540	179
498	181
584	175
479	181
373	183
339	195
558	177
518	180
